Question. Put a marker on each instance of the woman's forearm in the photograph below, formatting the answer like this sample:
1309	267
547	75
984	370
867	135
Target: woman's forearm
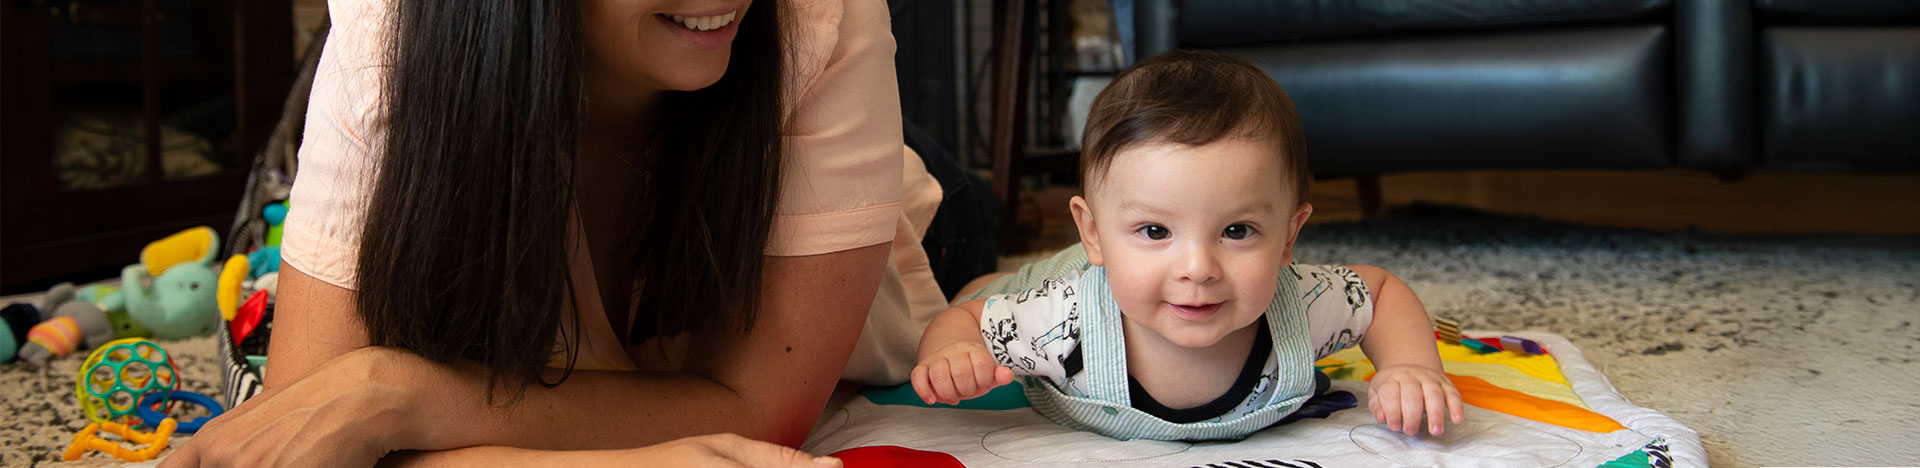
501	457
770	384
592	410
446	406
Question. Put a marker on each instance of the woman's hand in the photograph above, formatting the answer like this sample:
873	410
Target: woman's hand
1399	395
726	450
349	412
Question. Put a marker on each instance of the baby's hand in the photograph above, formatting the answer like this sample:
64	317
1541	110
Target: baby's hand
957	372
1400	394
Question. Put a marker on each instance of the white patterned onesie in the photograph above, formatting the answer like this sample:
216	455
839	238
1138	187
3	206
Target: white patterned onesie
1037	332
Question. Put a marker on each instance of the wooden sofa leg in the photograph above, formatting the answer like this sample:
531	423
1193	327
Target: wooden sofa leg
1368	191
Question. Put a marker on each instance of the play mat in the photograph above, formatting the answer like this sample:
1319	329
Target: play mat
1523	410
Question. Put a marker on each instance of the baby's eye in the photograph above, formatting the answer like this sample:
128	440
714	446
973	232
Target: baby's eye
1237	231
1155	232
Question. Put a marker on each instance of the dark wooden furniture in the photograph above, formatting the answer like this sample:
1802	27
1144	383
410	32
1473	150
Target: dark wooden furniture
241	51
1014	154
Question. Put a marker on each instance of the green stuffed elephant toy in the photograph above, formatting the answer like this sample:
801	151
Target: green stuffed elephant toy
181	301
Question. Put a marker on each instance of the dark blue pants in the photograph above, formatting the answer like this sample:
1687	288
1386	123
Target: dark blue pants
960	241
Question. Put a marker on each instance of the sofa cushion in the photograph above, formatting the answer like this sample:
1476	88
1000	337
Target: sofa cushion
1840	98
1852	12
1576	98
1213	23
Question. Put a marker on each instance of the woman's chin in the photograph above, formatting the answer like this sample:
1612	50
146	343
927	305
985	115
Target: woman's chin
693	78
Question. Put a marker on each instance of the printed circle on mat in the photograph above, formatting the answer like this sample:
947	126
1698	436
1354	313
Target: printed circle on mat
1465	446
1046	442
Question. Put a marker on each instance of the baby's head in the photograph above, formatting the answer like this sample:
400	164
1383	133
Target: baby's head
1195	179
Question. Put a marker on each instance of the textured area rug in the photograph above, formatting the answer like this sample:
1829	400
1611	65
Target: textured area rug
1778	350
41	413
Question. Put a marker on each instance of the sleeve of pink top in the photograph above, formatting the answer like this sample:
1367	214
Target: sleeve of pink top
840	183
344	122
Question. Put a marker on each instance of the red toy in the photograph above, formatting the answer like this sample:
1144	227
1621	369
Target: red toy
889	456
248	317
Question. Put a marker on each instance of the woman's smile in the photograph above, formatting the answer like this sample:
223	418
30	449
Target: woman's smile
708	30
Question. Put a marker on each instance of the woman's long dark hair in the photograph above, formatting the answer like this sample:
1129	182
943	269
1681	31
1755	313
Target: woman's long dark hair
464	251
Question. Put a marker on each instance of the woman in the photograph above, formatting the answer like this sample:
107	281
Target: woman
526	226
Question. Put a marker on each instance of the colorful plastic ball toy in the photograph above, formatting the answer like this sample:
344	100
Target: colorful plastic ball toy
115	378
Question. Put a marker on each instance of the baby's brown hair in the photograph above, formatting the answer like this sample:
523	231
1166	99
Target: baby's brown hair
1194	98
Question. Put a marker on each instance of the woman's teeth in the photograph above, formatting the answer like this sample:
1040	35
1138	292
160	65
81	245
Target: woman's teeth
703	23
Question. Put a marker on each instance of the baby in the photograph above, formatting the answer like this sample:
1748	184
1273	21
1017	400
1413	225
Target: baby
1180	316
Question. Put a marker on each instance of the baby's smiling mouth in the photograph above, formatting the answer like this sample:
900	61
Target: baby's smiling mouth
1196	311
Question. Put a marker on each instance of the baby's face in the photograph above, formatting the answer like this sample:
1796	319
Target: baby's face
1193	238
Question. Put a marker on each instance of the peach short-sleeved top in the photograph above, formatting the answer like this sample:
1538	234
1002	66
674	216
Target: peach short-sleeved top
848	182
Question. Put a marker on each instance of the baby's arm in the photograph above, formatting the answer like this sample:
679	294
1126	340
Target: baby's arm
955	364
1408	380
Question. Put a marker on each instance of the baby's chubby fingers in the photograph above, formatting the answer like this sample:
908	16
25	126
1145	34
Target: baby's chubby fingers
1436	407
987	373
1411	402
940	376
921	384
1386	401
964	382
1373	405
1455	406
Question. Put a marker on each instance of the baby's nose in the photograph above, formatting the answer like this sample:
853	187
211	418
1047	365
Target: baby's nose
1201	266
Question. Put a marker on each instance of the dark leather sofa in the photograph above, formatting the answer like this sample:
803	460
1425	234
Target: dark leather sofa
1387	86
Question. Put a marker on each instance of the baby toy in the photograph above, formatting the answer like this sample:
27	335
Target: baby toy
132	380
1479	345
269	282
65	334
188	246
15	320
1446	330
151	416
77	322
276	216
263	261
181	302
114	379
248	317
7	343
232	277
1520	345
86	439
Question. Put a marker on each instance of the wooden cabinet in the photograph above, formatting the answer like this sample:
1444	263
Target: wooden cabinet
159	81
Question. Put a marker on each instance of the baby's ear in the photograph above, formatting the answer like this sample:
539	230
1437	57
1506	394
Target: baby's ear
1293	230
1089	237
